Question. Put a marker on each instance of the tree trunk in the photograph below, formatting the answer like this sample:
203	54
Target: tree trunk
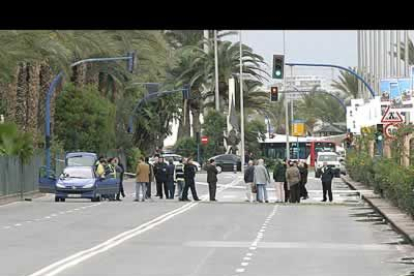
196	120
45	79
21	97
405	156
92	76
184	123
79	75
33	71
10	96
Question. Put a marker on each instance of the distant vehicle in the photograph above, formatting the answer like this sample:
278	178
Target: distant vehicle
226	162
332	159
175	158
301	149
78	179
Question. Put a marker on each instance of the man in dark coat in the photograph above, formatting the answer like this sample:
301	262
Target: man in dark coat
212	179
303	169
170	180
279	176
326	176
189	174
160	172
120	170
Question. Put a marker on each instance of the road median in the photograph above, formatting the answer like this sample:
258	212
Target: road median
399	220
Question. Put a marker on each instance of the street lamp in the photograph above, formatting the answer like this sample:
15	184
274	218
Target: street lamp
131	60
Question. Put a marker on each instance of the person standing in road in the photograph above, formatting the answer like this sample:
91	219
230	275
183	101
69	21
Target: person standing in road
189	174
293	180
303	169
151	179
121	179
261	178
248	180
99	167
326	177
212	179
142	178
279	176
170	180
179	177
285	184
160	171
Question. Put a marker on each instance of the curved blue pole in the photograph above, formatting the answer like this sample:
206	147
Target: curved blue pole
338	67
52	88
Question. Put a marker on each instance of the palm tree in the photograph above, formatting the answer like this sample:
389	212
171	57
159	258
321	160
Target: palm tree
347	84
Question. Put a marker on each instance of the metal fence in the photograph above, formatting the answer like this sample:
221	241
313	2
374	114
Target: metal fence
17	178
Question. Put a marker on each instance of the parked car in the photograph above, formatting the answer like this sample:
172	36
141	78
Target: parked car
78	179
81	182
332	159
175	158
226	162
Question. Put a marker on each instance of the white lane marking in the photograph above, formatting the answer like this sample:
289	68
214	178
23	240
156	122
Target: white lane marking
47	217
6	227
245	264
252	248
18	224
10	204
247	258
81	256
240	270
249	254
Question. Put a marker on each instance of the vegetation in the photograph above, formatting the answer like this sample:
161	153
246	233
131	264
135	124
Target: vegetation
14	142
213	127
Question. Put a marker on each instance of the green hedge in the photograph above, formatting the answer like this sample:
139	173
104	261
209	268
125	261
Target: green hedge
388	178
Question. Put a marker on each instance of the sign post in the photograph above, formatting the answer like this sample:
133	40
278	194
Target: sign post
298	129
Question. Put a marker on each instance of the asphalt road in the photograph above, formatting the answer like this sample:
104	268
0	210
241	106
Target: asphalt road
230	237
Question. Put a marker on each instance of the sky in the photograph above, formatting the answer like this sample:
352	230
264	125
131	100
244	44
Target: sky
336	47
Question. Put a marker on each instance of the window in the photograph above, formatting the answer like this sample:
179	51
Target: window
77	172
323	158
81	161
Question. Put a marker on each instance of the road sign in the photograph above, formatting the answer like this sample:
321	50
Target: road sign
298	129
391	116
204	140
390	130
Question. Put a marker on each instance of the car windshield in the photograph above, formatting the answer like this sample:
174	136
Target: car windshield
73	172
80	161
327	158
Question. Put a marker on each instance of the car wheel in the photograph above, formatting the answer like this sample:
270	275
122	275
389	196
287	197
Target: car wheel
57	199
219	169
62	199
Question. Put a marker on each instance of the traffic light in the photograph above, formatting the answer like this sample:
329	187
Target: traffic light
278	66
274	92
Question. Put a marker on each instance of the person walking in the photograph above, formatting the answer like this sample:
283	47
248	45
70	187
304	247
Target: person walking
293	180
170	180
151	179
179	178
212	179
303	169
142	178
261	178
160	171
279	176
286	187
120	175
326	176
248	180
189	174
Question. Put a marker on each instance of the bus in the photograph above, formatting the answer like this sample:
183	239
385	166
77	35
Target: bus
301	148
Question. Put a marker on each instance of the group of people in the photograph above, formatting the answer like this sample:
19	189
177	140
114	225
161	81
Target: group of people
166	177
111	168
290	178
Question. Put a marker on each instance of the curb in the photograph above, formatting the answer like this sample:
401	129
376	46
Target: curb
400	227
4	200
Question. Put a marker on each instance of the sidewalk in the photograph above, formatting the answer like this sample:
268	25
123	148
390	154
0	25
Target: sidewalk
402	222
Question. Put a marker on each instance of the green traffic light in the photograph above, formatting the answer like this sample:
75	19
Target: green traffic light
278	73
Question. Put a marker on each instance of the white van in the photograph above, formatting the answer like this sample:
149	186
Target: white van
332	158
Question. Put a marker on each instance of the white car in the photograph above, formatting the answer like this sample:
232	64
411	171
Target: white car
175	158
332	159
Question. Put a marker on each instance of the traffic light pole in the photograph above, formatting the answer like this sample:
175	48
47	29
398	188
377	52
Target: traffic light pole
56	81
338	67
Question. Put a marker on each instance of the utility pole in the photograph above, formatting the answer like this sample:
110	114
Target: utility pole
286	104
216	71
241	105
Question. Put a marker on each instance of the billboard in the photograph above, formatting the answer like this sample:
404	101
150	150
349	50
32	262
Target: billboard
397	93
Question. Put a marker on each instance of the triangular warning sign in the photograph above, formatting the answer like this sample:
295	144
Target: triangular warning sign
391	116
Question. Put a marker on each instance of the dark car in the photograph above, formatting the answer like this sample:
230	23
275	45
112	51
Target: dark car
226	162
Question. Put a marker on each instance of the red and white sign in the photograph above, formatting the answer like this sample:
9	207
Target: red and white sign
391	116
204	140
390	130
